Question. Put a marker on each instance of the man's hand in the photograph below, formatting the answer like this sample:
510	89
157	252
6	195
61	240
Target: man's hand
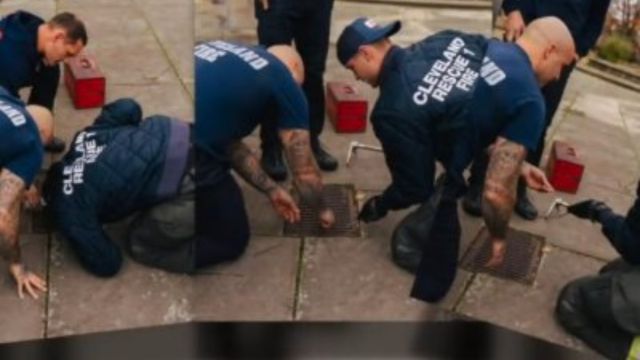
32	198
498	249
514	26
284	204
535	178
327	218
371	210
26	280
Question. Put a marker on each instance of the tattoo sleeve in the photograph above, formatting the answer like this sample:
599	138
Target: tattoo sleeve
11	190
245	163
500	186
306	176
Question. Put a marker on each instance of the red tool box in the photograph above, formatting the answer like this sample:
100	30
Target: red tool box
347	108
564	169
85	82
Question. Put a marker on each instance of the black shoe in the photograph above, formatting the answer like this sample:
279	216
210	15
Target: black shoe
524	207
325	160
617	265
588	209
273	164
56	145
472	202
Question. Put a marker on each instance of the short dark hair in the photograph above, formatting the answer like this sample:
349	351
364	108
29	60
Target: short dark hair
73	26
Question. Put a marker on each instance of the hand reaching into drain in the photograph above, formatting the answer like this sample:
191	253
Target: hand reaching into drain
284	204
498	250
327	218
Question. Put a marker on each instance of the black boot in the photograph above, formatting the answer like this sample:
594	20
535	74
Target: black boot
325	160
56	145
472	202
588	209
524	207
617	265
273	163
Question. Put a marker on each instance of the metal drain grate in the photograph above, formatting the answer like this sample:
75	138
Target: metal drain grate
341	199
521	259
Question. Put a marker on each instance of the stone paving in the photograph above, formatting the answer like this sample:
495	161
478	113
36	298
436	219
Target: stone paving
286	278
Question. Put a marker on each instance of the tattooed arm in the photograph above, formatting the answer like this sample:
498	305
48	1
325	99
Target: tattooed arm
11	194
245	163
499	195
306	176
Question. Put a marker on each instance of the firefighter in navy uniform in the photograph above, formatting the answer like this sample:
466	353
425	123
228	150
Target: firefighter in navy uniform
585	19
30	53
238	87
23	131
603	310
448	98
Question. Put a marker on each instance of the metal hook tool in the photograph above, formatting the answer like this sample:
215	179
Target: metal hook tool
556	207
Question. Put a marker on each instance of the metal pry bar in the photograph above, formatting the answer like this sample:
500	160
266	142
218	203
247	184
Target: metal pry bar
555	207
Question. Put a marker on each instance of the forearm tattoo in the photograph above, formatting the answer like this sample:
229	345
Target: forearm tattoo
245	163
306	176
11	191
500	186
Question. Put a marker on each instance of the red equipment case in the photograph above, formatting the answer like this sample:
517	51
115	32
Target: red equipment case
564	169
347	108
84	81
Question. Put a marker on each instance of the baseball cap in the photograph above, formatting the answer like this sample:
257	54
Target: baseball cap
360	32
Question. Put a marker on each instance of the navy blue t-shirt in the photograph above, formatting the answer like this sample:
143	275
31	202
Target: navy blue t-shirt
237	87
19	58
21	150
507	101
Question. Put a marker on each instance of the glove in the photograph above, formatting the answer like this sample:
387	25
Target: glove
588	209
372	211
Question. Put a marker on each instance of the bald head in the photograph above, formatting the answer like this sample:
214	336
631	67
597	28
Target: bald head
291	59
549	44
44	120
548	31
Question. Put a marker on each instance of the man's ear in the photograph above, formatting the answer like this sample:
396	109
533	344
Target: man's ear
59	34
367	52
548	51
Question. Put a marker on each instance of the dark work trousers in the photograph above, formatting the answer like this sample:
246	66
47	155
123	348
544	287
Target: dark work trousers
185	233
222	226
307	23
437	269
552	94
584	309
623	232
45	86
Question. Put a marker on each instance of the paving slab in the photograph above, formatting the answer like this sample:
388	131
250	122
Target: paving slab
354	279
528	309
24	319
43	8
171	23
138	296
260	286
140	59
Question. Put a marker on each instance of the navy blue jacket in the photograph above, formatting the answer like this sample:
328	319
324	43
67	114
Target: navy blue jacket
414	126
584	18
19	57
115	167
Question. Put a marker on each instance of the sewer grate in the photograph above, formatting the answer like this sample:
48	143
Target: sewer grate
521	260
341	199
